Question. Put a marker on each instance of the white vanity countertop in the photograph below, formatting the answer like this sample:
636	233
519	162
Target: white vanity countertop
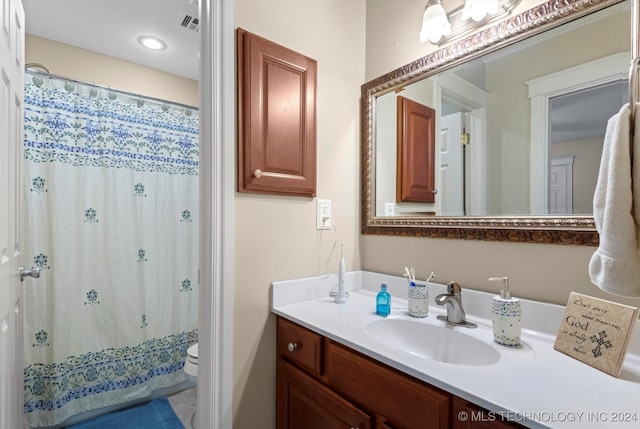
533	385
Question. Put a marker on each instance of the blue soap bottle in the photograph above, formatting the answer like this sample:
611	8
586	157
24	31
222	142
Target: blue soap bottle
383	301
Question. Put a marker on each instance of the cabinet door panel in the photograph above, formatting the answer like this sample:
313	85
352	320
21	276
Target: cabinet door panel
304	403
276	118
415	176
469	416
405	402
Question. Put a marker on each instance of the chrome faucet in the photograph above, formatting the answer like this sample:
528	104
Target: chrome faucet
453	300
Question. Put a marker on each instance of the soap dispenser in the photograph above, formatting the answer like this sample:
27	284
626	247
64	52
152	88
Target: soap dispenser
506	314
383	301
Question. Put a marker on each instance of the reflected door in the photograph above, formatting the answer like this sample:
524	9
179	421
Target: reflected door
561	185
451	165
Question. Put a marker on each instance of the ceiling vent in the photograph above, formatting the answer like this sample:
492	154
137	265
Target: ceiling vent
189	21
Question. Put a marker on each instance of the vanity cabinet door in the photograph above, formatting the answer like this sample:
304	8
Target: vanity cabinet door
466	415
405	403
304	403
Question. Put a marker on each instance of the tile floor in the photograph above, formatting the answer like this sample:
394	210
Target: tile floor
184	405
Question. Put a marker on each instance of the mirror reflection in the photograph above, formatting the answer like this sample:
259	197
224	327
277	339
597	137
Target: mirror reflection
518	131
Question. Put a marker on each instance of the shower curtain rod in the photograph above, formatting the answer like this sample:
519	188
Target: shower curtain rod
141	96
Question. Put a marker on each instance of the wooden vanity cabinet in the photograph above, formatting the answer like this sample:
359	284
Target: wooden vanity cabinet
303	400
322	384
475	417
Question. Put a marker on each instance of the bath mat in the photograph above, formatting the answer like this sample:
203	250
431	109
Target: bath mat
156	414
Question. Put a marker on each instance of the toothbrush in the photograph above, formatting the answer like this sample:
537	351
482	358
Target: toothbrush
341	298
410	274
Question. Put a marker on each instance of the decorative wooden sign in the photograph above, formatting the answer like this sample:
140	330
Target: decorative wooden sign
596	332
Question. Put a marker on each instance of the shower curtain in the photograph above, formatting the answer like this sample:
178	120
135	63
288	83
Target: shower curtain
111	216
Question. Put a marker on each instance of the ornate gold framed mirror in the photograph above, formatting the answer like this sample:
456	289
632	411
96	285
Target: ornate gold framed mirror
504	184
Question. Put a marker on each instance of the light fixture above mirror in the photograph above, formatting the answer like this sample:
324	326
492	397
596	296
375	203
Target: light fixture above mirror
440	26
435	23
478	10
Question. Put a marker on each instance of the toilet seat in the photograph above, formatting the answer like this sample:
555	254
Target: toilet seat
191	364
192	354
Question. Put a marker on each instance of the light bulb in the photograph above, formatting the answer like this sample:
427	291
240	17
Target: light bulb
479	9
434	24
152	43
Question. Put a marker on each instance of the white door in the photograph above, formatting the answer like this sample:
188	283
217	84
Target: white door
561	185
475	160
451	188
11	98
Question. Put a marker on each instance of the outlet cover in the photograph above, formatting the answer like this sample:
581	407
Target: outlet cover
323	214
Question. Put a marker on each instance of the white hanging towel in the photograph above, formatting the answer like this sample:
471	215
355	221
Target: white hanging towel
615	266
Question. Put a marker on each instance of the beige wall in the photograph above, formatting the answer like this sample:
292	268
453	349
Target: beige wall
75	63
275	237
538	271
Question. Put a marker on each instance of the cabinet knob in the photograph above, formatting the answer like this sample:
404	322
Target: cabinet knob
257	173
292	346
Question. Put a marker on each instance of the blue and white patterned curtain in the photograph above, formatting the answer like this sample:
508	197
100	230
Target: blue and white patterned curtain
111	216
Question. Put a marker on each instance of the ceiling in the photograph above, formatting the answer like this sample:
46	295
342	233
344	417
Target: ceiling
584	114
112	27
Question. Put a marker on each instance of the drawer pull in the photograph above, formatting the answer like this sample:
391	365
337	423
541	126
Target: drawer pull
292	347
257	173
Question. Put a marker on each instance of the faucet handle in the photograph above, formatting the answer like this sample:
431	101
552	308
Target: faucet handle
453	288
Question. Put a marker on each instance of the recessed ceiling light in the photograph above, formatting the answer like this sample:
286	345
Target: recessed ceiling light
152	43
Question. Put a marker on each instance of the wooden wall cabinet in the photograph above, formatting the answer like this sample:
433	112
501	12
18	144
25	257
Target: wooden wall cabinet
322	384
276	118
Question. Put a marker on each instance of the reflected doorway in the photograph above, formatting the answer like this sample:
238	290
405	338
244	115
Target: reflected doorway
578	96
577	125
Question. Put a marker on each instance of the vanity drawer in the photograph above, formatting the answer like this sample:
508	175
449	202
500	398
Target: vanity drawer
403	401
299	346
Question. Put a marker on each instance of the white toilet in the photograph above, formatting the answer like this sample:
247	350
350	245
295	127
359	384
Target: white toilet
191	364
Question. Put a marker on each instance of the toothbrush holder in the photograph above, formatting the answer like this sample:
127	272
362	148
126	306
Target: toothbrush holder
418	301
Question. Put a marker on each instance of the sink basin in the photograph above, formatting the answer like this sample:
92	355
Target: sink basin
437	342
